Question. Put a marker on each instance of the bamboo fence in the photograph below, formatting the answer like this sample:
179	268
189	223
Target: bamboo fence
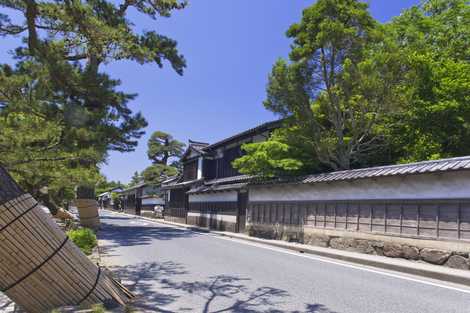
40	269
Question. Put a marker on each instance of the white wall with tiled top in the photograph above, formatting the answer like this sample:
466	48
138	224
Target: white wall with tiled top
420	186
226	196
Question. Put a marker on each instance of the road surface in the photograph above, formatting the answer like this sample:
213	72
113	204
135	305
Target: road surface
178	270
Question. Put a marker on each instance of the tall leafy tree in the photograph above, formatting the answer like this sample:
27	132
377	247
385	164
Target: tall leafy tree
435	120
57	82
164	151
135	179
162	147
335	92
103	185
156	173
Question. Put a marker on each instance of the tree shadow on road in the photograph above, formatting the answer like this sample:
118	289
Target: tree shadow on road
135	235
158	285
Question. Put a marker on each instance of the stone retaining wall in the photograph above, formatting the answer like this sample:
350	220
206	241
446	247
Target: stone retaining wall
447	253
216	222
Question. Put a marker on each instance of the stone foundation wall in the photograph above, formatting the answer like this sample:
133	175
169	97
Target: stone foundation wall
216	224
447	253
175	219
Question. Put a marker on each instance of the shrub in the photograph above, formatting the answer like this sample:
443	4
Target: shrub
84	238
98	308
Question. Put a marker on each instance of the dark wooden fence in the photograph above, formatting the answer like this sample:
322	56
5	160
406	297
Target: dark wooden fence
176	211
214	207
436	218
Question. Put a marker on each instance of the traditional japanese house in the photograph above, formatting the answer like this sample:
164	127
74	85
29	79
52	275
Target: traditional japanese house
105	199
210	192
141	197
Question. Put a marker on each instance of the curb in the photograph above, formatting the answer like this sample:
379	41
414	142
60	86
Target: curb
446	274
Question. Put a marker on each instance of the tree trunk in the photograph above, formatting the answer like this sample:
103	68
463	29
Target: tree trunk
41	269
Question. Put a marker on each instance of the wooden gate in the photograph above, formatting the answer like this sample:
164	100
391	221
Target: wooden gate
241	214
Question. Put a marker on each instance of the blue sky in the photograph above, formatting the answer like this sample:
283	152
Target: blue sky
230	47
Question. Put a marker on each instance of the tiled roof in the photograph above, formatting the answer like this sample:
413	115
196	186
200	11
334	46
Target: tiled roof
222	184
232	179
170	180
434	166
133	187
177	184
198	146
209	188
262	127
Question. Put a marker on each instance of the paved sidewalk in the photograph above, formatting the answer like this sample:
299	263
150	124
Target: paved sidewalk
401	265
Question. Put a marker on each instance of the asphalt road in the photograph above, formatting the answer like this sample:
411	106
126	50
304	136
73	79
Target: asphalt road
178	270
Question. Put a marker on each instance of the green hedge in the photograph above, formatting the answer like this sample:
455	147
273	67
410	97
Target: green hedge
84	238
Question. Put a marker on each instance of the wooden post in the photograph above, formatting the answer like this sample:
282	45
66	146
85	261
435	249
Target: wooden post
418	217
334	214
385	218
459	222
316	213
401	218
358	216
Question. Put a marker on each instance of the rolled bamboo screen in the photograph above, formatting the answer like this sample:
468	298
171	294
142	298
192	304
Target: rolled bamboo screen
40	269
87	207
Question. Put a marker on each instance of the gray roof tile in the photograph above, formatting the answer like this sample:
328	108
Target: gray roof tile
444	165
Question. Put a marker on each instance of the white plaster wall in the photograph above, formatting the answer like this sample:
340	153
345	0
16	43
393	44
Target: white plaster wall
154	201
214	197
422	186
199	168
218	217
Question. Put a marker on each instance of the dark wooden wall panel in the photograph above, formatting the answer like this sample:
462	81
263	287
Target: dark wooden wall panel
435	218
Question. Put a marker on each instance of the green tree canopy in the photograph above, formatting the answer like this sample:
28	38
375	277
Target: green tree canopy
357	93
156	173
434	41
164	151
162	147
103	185
336	90
66	113
135	179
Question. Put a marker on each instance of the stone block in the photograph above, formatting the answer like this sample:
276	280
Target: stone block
434	256
457	261
319	240
393	250
410	252
364	246
342	243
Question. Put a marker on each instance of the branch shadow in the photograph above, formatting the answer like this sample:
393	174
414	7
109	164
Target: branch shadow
158	285
135	235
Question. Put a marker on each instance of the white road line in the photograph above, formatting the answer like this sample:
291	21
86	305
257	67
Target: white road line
362	268
325	260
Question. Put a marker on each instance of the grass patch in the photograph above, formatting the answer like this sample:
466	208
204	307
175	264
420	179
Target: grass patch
84	238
